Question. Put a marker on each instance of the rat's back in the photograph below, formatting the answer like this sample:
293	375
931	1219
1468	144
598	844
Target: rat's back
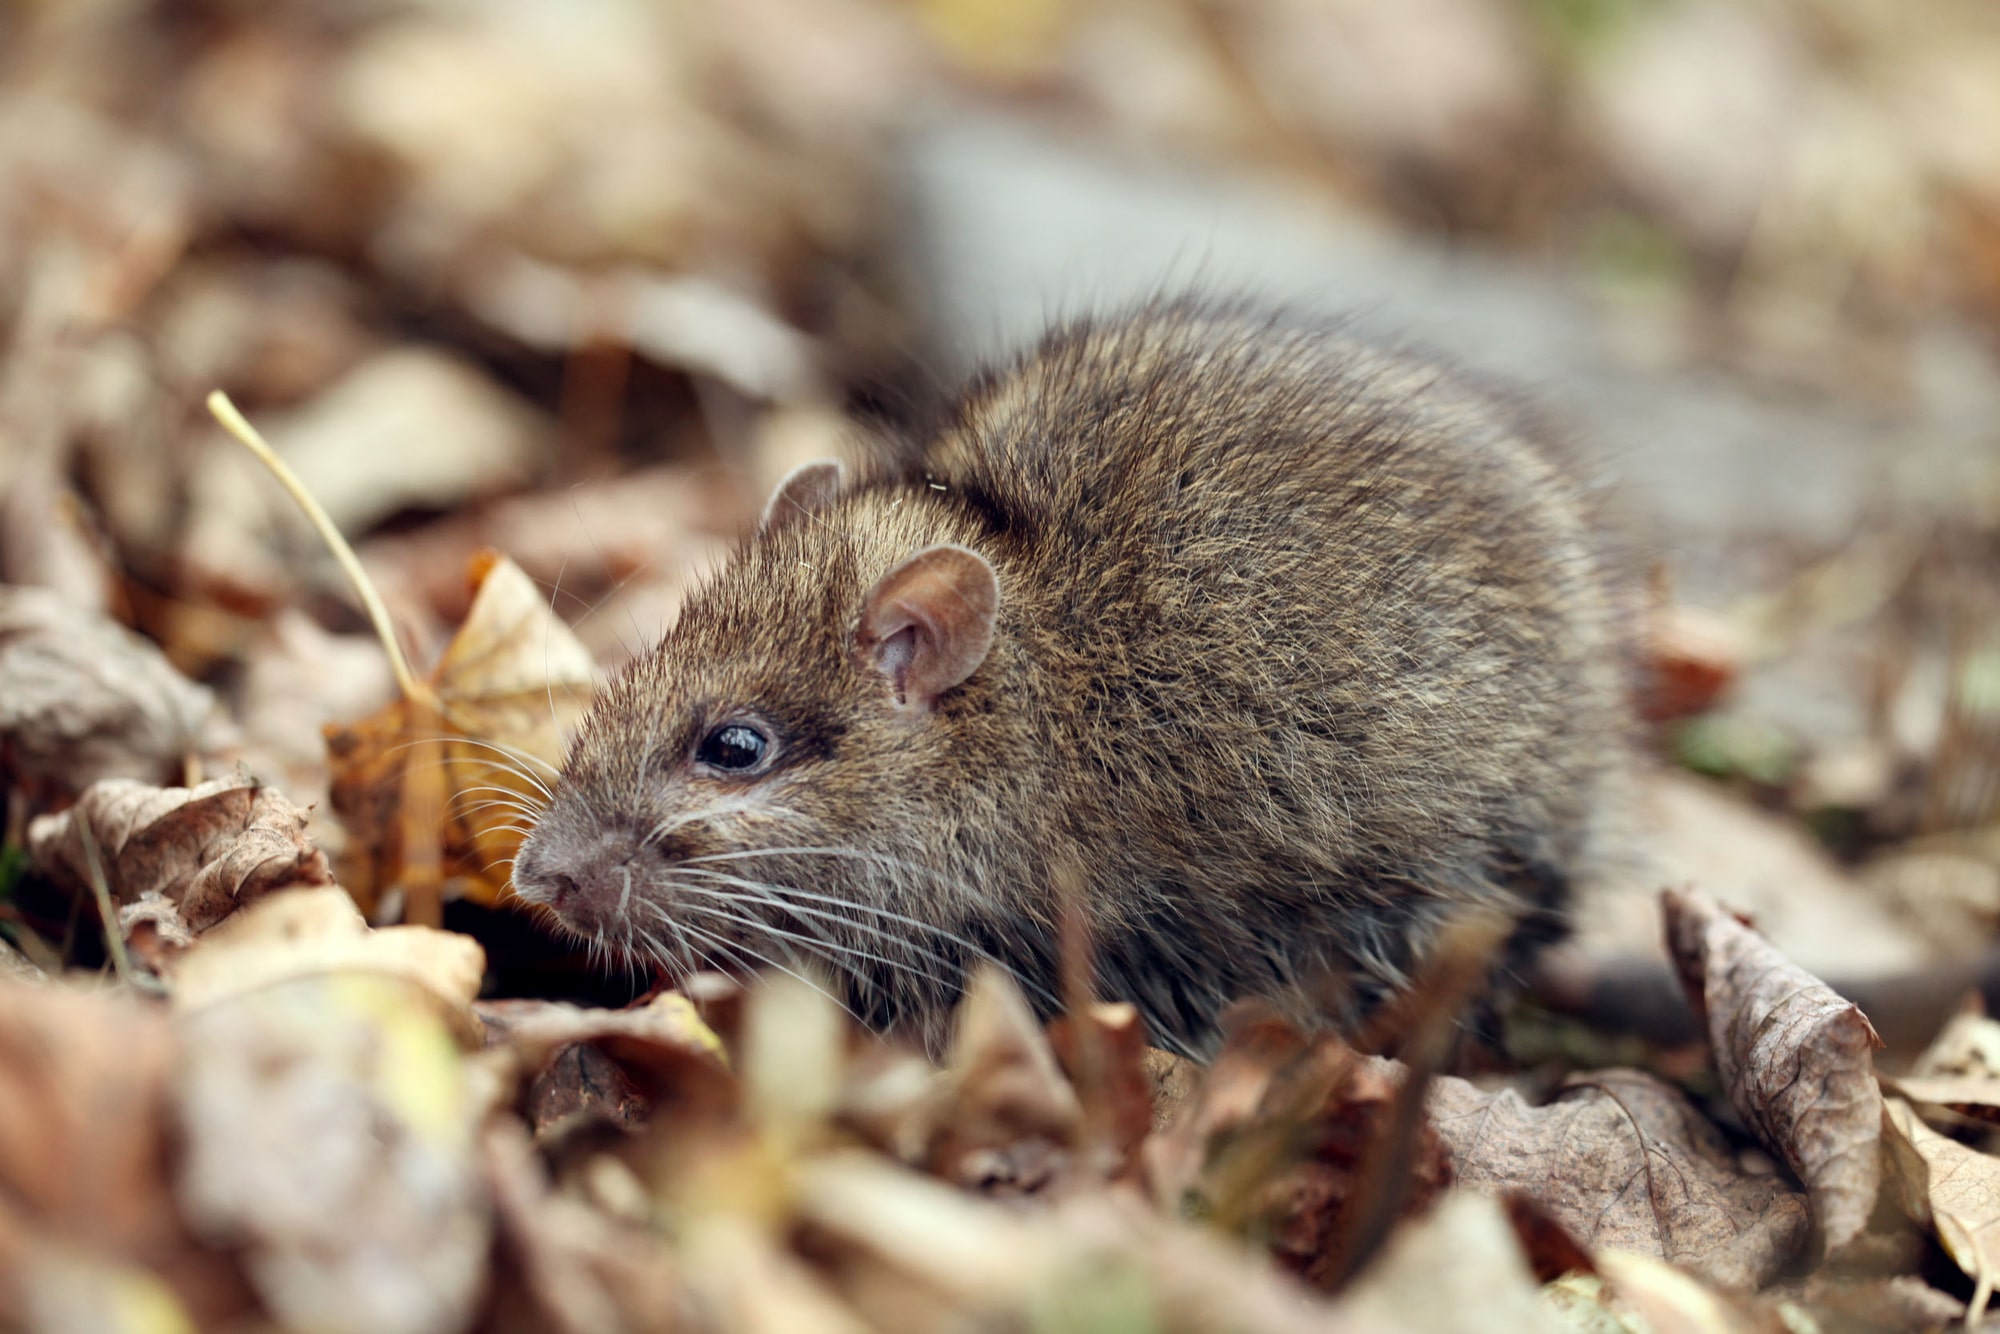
1319	640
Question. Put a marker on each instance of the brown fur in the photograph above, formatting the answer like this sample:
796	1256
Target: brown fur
1302	644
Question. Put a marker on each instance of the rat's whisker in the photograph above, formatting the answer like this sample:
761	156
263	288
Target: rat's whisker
782	897
768	894
755	955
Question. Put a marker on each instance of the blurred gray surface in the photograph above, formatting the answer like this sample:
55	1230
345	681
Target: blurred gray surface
1730	483
1010	224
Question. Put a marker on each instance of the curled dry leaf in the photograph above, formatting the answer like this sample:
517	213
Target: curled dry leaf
1953	1190
1624	1162
473	761
83	699
180	859
1796	1059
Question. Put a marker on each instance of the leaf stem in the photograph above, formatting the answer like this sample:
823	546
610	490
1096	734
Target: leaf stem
237	425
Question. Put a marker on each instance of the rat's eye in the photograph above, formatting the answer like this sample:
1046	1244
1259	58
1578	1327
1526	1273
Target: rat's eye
734	748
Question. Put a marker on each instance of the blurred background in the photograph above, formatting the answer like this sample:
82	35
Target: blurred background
578	279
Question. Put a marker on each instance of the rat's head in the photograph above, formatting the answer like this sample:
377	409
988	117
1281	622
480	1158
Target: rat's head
779	780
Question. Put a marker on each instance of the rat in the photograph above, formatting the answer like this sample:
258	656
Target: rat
1262	648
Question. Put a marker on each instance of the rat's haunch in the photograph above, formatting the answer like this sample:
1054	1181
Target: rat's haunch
1268	646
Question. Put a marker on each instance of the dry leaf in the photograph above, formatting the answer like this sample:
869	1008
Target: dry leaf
1953	1190
329	1135
202	852
1457	1268
318	933
472	762
1277	1140
577	1268
86	1148
1691	660
1900	1302
1256	1042
1624	1162
1006	1121
610	1065
1103	1051
83	699
1976	1096
1671	1301
1796	1060
1546	1244
1968	1045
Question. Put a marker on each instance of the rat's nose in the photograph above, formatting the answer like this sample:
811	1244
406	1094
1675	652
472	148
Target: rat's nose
588	884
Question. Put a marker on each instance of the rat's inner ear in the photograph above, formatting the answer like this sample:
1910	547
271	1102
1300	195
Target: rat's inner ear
929	622
806	490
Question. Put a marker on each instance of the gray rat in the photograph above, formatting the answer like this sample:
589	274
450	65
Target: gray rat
1267	647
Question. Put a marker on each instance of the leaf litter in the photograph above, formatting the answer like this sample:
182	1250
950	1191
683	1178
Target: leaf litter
349	1139
338	1117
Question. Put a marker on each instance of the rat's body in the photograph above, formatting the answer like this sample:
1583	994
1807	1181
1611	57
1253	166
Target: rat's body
1270	647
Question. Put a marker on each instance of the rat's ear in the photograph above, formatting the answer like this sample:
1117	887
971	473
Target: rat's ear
806	490
929	622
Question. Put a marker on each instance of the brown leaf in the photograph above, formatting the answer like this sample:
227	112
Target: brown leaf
471	761
83	699
329	1136
1256	1042
1796	1059
1625	1162
1672	1301
1955	1191
1550	1249
1968	1045
308	933
1277	1143
610	1065
1458	1267
86	1149
1103	1050
204	850
1976	1096
1691	659
1006	1121
577	1268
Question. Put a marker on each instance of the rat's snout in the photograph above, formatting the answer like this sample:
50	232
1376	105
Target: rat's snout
589	881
